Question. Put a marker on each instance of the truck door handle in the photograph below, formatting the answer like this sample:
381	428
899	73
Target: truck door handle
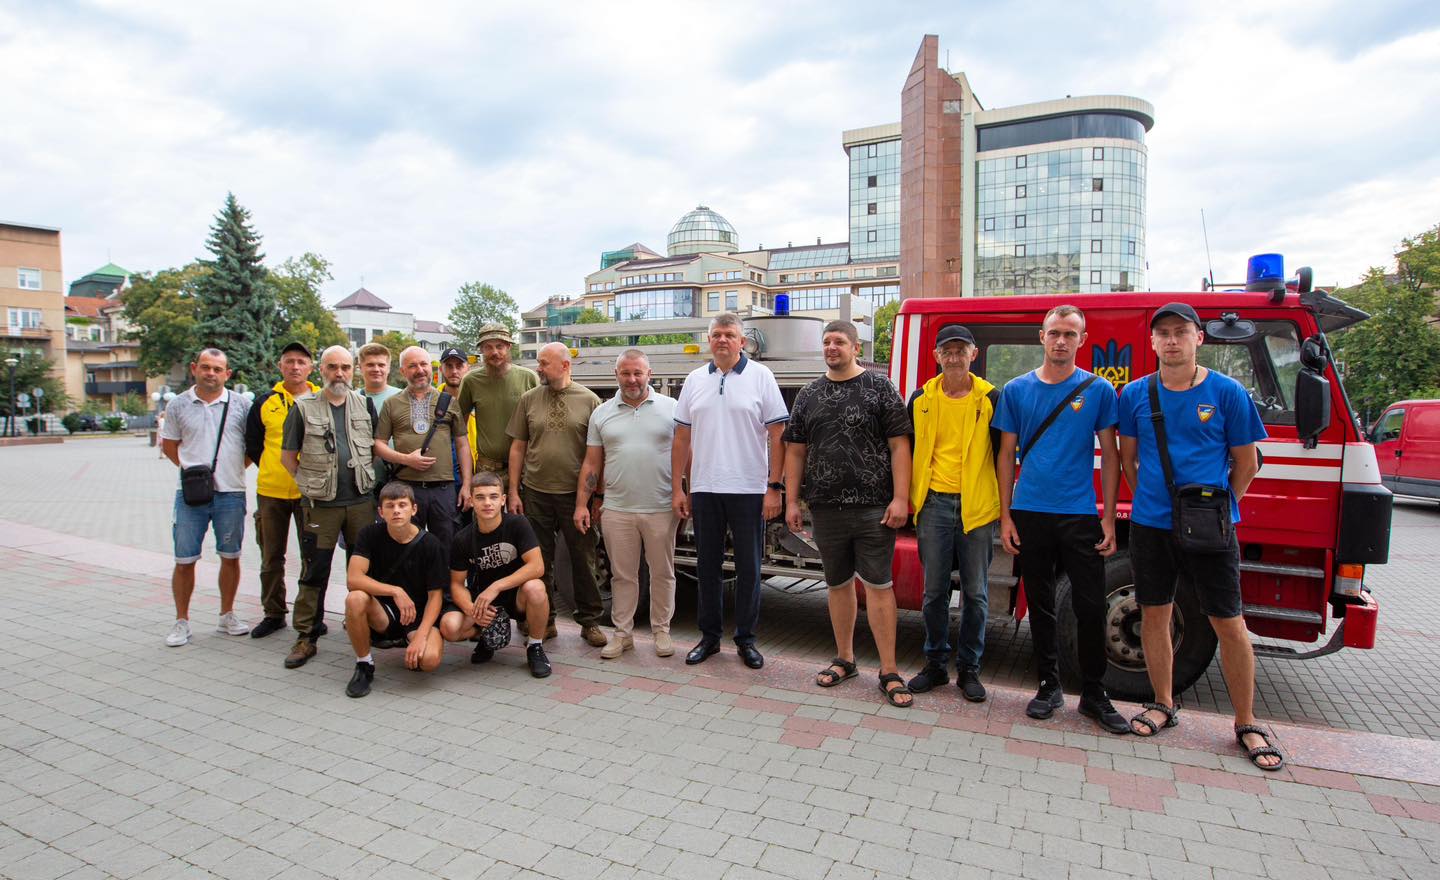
1397	453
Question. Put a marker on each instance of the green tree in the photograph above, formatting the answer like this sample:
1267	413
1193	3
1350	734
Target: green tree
237	306
34	371
396	342
595	316
133	404
163	311
884	330
477	304
1396	354
301	313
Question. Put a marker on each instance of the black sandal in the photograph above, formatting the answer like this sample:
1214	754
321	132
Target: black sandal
892	693
1258	751
829	677
1168	711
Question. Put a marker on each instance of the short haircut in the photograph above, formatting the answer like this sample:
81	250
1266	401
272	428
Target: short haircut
1065	311
374	349
629	353
487	478
395	490
726	319
845	327
213	352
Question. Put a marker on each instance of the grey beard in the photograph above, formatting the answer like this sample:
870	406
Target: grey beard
337	388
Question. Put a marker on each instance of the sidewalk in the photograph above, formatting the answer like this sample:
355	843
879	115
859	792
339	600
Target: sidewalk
121	757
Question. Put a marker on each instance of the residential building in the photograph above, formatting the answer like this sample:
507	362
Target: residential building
102	362
363	316
31	290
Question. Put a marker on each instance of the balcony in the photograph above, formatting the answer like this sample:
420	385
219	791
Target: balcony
12	331
120	388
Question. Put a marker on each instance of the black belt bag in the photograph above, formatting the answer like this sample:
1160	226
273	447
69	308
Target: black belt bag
197	482
1199	514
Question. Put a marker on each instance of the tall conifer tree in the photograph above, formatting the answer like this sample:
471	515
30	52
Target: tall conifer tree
237	306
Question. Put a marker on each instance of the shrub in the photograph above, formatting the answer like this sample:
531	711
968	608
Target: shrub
113	424
71	422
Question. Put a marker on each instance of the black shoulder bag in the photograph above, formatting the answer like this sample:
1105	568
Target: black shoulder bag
1200	514
197	482
1055	414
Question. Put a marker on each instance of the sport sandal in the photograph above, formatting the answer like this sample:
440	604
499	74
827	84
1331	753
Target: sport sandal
1151	727
892	694
1259	751
838	671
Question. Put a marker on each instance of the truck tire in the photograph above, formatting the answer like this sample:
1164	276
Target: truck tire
1125	678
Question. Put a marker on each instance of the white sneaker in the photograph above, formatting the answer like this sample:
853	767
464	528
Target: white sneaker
179	634
231	625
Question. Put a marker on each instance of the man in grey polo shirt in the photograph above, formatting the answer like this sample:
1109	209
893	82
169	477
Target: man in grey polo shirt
628	448
206	426
728	423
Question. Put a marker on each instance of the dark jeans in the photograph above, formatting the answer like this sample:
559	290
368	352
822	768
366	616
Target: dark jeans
435	510
272	526
742	516
550	513
1051	543
943	542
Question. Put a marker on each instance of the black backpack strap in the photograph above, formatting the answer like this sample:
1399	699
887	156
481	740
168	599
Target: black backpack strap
220	434
1157	419
1054	414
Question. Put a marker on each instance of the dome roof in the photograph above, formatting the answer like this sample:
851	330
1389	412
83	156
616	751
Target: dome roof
702	231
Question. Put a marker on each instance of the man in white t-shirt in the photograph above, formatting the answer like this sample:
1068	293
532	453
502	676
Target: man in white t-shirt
728	423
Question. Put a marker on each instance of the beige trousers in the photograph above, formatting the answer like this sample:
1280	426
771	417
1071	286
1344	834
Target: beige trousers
626	535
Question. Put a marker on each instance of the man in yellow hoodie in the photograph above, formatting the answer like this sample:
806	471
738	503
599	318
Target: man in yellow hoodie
277	498
957	505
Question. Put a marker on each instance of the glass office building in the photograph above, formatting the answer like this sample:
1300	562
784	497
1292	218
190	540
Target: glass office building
874	200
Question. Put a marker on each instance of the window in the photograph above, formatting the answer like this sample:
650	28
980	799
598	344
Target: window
712	301
887	271
1097	153
871	235
864	273
28	279
872	181
712	276
1094	245
1020	191
804	276
1097	215
872	208
1094	276
732	300
1019	221
25	319
871	151
820	276
1019	250
1132	248
1266	364
840	274
1020	161
989	224
784	279
1388	428
1097	184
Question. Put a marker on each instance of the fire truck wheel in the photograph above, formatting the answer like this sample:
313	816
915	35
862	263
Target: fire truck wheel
1125	678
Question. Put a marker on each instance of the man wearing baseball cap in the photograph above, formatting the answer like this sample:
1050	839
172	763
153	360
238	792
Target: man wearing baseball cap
454	364
490	395
957	505
1210	427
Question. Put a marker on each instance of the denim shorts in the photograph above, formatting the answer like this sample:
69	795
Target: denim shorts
854	542
225	513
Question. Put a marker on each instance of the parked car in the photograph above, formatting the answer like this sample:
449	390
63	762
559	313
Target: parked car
1407	447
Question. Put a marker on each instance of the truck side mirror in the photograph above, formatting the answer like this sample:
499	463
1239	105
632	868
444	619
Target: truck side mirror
1312	406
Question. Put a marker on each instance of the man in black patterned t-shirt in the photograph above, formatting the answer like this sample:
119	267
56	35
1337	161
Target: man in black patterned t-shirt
848	439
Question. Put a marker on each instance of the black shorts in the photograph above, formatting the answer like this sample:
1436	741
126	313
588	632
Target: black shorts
395	631
854	542
1158	564
506	600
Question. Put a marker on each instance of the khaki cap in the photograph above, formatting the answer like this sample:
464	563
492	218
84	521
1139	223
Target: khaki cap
495	330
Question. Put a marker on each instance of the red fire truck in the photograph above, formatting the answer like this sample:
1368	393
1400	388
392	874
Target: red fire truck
1314	518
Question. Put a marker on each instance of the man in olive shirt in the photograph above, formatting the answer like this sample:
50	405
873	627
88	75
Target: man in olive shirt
548	429
490	395
406	423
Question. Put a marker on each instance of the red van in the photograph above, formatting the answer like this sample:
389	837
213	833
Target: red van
1407	447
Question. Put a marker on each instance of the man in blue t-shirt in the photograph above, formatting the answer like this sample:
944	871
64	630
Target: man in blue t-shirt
1049	517
1211	427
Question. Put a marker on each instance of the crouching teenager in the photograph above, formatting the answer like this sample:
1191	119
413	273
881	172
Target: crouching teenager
495	562
397	578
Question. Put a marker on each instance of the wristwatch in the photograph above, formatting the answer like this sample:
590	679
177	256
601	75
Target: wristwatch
777	486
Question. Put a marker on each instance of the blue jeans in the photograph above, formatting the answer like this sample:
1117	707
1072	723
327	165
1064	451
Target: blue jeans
942	539
225	514
743	517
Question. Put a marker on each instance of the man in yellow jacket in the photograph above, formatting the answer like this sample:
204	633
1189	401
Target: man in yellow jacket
957	505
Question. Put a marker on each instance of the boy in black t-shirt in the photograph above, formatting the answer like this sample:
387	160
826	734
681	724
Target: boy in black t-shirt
397	581
495	562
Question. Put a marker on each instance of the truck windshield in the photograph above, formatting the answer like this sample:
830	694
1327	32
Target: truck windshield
1266	364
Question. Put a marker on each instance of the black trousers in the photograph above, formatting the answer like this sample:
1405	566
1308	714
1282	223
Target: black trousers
435	510
1051	543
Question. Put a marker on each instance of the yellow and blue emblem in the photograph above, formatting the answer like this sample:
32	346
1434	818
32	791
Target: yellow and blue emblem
1078	402
1204	411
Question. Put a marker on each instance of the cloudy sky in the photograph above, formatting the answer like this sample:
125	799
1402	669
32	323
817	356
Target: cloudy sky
420	146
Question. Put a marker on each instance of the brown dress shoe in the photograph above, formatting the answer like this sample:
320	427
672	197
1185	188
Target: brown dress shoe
550	630
300	654
594	636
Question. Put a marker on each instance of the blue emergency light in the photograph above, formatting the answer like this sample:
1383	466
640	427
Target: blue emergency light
782	304
1265	272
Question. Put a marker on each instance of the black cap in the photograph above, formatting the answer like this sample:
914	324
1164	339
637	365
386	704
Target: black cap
953	333
453	352
299	346
1179	310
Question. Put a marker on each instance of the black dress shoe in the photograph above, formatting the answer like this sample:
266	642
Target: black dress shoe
701	652
1047	699
266	627
751	655
1099	707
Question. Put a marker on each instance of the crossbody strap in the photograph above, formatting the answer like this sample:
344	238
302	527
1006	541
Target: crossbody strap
399	560
220	433
1157	418
1055	414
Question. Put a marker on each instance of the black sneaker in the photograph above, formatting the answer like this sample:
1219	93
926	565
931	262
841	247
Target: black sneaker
322	629
266	627
359	684
1097	705
932	676
539	663
482	653
970	686
1047	699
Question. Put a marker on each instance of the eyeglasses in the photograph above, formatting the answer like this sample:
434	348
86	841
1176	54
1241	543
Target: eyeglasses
330	440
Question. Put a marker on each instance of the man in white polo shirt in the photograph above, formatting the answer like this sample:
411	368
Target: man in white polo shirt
628	451
728	424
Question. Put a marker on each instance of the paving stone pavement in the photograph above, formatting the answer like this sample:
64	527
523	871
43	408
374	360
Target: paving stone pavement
120	757
117	491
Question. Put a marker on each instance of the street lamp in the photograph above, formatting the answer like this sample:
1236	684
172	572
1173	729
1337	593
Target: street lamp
11	362
162	397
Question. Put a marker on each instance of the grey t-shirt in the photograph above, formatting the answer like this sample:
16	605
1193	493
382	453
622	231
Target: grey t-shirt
345	492
637	444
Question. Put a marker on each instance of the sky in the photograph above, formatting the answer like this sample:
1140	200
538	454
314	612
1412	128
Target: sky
418	147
